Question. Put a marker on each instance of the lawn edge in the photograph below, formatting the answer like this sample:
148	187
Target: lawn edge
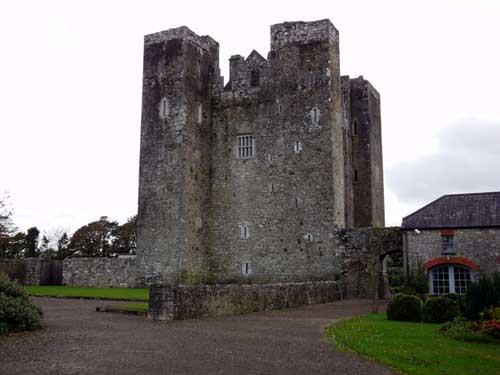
346	349
88	298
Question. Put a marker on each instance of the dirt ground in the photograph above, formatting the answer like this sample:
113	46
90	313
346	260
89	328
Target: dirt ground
79	340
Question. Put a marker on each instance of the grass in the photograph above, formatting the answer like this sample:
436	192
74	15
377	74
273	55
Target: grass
129	294
130	307
414	348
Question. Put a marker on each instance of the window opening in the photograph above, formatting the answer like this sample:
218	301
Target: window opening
254	78
200	114
447	244
244	232
449	278
164	108
355	175
297	147
355	127
315	116
246	147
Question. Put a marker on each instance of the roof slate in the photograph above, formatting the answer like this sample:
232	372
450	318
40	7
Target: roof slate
457	211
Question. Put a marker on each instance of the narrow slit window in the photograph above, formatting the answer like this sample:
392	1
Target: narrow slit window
355	175
246	268
244	232
315	116
297	147
246	147
200	114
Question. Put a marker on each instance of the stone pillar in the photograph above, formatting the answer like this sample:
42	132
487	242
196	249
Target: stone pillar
161	302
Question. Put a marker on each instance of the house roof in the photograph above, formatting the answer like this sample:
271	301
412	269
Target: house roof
457	211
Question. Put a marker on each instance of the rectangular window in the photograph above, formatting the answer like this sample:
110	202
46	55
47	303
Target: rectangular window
246	147
447	239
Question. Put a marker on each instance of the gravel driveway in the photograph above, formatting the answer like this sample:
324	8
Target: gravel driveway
78	340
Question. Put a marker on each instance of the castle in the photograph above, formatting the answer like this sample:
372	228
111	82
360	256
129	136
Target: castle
248	181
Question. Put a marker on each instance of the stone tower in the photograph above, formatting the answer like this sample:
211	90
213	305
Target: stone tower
249	181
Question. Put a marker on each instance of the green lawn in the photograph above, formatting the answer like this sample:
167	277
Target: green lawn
414	348
130	294
130	307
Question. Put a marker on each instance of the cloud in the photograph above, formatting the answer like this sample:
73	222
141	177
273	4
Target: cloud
467	159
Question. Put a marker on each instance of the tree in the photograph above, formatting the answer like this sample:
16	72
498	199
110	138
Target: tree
7	227
32	236
13	246
125	237
59	241
93	239
46	250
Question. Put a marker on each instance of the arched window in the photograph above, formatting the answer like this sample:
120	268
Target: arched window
449	278
163	108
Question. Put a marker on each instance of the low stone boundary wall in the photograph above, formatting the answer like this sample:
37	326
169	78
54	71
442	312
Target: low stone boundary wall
25	271
13	268
192	302
100	272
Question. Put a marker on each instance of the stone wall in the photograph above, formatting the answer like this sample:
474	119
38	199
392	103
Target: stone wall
100	272
480	245
363	251
26	271
33	269
208	215
13	268
193	302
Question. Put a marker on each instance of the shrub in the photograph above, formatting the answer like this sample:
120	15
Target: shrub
493	313
10	288
439	310
481	295
463	330
17	312
406	308
459	299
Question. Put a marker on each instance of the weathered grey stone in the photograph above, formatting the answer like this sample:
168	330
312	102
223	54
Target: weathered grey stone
197	191
193	302
479	245
100	272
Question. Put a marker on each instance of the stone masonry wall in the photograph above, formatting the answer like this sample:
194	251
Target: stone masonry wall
194	302
33	269
13	268
480	245
208	215
100	272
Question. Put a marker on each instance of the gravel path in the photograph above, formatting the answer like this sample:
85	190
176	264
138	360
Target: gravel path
78	340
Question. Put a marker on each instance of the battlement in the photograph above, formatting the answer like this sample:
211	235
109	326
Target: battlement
183	32
302	32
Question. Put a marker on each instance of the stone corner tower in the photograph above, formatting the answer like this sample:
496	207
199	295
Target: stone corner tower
174	155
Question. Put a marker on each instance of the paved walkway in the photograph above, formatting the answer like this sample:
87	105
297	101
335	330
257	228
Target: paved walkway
78	340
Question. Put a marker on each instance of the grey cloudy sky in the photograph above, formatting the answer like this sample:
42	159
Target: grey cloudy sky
70	93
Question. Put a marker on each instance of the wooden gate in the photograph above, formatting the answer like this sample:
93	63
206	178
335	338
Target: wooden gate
51	272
